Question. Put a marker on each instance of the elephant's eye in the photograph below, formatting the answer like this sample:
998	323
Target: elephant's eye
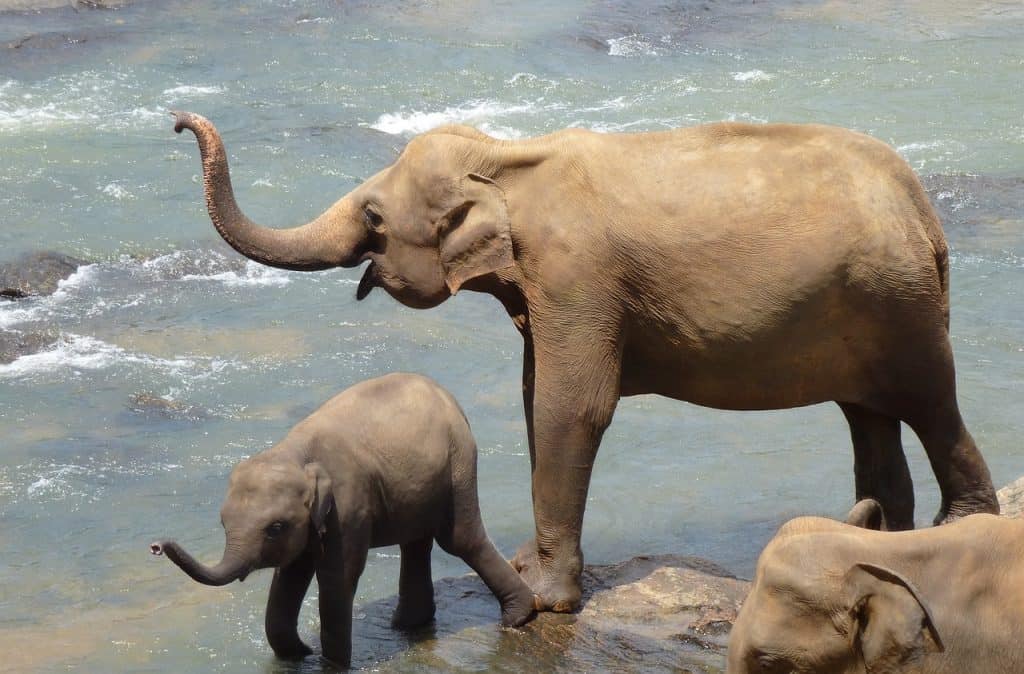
275	528
372	219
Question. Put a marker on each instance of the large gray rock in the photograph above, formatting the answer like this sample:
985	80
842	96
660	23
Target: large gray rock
35	273
665	613
14	343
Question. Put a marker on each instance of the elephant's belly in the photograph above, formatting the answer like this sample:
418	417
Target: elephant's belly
752	376
409	517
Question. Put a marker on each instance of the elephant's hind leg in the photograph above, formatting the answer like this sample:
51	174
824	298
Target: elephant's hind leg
927	403
415	587
467	538
880	465
477	550
963	476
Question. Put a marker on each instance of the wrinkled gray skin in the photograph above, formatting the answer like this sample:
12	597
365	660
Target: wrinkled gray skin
389	461
730	265
831	598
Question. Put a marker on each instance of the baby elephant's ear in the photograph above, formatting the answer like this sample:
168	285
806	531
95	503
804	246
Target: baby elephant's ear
893	626
320	499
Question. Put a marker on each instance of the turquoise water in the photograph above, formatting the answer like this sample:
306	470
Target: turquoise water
172	358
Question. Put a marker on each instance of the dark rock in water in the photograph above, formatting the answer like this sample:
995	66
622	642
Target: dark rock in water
35	274
665	613
14	344
153	405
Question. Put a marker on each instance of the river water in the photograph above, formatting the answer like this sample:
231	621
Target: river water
171	358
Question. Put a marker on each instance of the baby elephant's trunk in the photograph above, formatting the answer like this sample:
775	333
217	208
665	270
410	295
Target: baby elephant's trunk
231	567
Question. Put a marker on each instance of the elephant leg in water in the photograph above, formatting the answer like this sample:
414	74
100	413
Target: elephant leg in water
572	406
879	464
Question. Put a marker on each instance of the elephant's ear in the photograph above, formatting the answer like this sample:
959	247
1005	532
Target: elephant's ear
867	514
892	627
475	235
319	499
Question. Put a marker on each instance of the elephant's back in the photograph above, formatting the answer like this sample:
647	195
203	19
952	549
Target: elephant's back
396	423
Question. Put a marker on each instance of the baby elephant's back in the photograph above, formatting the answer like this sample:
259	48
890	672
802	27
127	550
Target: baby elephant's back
403	427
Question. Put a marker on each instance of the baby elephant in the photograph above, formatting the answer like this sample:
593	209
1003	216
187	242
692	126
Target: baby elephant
830	598
388	461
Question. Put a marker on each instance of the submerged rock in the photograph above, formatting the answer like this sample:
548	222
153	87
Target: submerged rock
151	405
35	274
664	613
14	343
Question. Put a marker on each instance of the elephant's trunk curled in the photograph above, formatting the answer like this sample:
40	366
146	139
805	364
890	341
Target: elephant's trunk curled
231	567
330	240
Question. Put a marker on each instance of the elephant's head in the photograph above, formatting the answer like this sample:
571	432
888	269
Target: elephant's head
815	608
271	513
427	224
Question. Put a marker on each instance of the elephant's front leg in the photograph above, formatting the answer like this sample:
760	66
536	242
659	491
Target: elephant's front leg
338	575
575	392
286	593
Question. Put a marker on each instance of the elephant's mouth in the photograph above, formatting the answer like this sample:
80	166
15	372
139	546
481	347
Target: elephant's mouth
368	282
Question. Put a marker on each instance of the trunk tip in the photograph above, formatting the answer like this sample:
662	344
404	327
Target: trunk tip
187	120
156	549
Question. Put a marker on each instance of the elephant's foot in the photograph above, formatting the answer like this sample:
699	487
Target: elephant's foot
982	500
557	592
290	648
410	614
519	609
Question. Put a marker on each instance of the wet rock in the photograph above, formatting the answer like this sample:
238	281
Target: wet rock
14	343
35	274
665	613
149	404
1011	498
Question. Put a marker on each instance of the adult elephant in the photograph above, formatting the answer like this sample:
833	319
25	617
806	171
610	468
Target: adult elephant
735	266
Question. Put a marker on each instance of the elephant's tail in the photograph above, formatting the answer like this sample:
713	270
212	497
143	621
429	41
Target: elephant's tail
942	266
937	239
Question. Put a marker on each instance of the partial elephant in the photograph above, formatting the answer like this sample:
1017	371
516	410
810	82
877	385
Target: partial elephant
735	266
389	461
831	598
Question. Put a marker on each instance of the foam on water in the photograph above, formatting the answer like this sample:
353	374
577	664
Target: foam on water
638	45
82	479
72	353
16	313
35	309
254	275
753	76
77	99
82	277
479	113
191	91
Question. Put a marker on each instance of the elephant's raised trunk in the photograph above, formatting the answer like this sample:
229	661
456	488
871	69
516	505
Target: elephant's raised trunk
331	240
231	567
